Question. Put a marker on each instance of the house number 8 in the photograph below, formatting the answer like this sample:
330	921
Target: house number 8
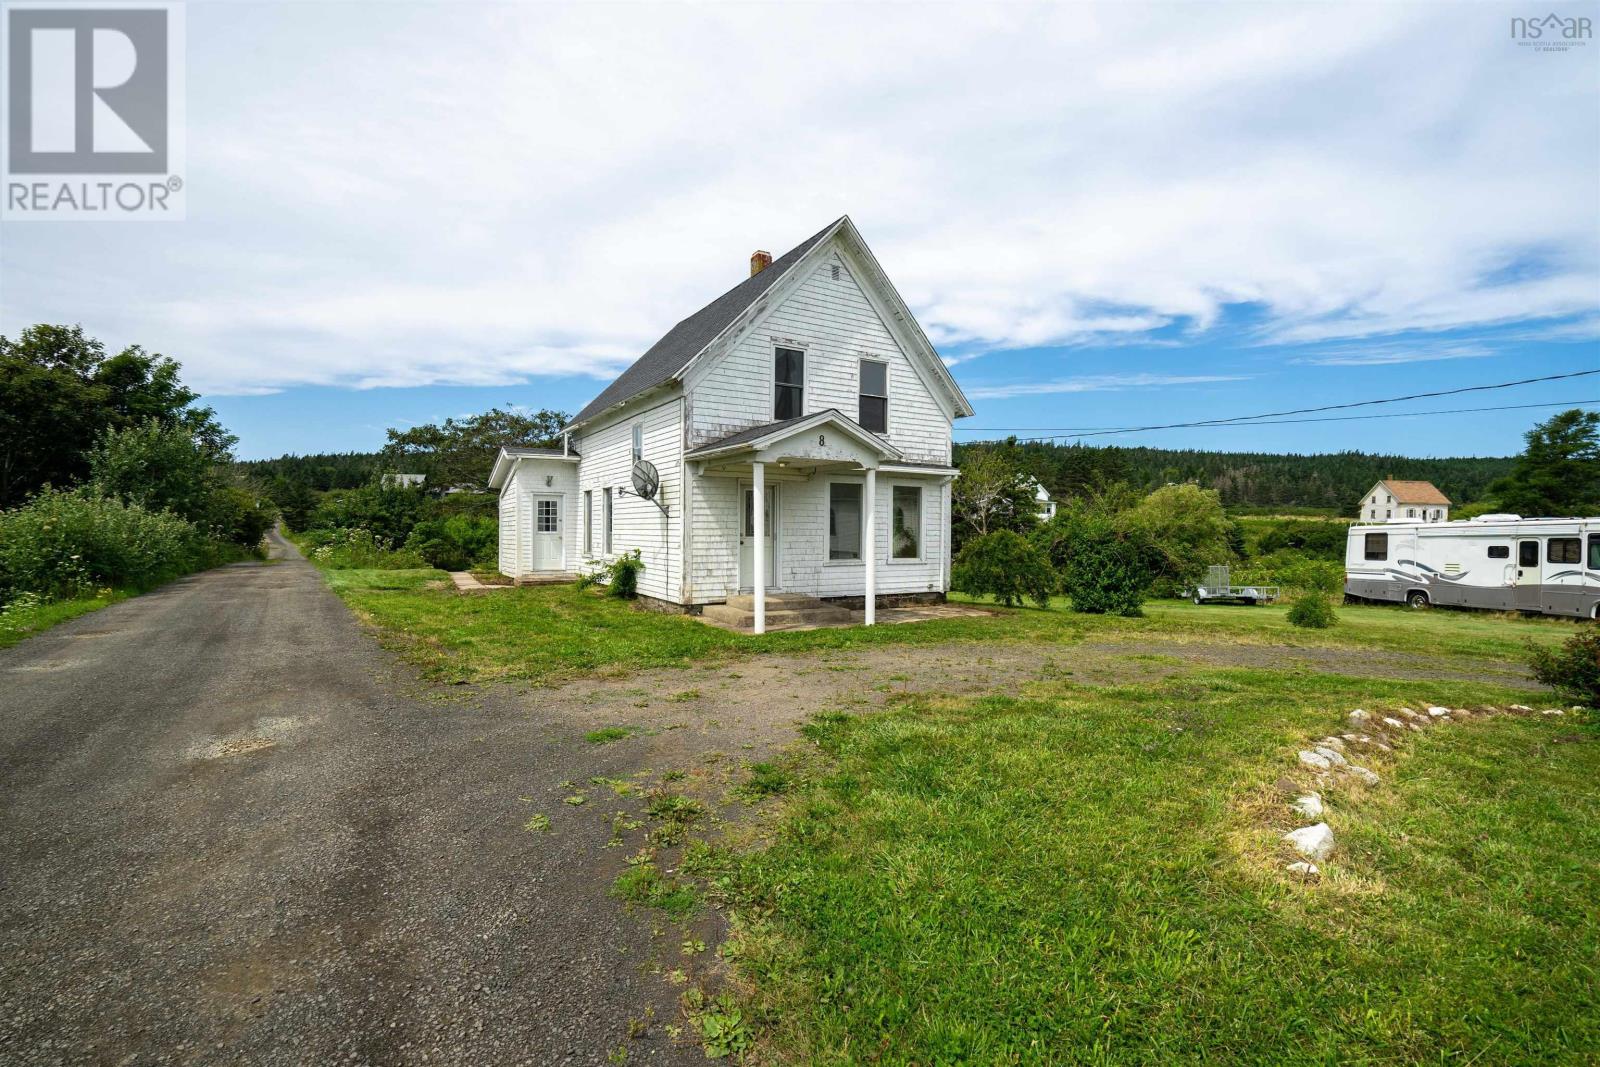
822	439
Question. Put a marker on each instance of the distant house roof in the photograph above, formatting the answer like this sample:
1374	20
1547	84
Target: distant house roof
1415	492
664	359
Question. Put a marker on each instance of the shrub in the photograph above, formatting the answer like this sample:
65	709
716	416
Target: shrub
1005	566
1187	530
389	513
358	549
1320	540
63	544
1312	611
1293	571
622	575
238	515
1108	575
1573	669
457	543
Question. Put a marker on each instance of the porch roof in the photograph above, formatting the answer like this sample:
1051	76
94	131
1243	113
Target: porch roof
772	434
509	454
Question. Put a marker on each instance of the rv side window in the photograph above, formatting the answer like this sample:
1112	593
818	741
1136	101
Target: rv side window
1499	551
1594	552
1377	546
1564	550
1527	553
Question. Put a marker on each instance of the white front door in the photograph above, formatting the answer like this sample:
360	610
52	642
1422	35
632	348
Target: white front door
547	554
747	536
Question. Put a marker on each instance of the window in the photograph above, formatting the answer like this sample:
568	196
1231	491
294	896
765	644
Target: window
906	526
1499	551
844	520
588	522
1527	553
1388	513
1594	552
873	410
1411	513
545	517
1563	550
789	383
638	441
606	529
1377	546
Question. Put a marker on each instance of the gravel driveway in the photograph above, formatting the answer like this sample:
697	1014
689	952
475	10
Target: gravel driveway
232	830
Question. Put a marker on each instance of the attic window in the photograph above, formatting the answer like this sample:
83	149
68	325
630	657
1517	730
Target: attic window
788	383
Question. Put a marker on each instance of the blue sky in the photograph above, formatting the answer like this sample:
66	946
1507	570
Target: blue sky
1104	215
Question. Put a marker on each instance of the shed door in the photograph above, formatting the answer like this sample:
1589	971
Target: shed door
547	554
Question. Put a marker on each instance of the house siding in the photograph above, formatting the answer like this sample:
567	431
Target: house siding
508	527
607	451
837	326
527	479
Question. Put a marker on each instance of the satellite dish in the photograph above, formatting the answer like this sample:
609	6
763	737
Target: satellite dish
645	479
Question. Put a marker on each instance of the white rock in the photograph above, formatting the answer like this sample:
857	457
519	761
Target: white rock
1333	743
1389	720
1302	868
1438	712
1360	717
1309	805
1334	757
1369	777
1520	707
1315	761
1314	842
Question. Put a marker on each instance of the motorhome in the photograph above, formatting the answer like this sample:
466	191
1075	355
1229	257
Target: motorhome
1497	562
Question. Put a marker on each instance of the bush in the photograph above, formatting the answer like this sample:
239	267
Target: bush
457	543
1108	575
389	513
1005	566
1312	611
238	515
1321	540
358	549
1293	571
623	575
1187	529
1573	669
64	544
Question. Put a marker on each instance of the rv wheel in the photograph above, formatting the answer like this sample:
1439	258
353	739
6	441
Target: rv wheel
1417	599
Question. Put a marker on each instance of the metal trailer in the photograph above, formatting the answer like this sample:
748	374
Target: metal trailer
1219	589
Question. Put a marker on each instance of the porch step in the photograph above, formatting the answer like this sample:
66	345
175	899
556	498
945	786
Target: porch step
783	613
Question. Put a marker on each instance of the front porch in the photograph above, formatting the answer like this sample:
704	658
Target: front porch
824	528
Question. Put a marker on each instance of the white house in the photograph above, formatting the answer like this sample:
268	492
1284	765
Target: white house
809	386
1394	500
1043	504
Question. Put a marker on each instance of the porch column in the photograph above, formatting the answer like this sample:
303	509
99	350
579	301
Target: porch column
758	552
870	535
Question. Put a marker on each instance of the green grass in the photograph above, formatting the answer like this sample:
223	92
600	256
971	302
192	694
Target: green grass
20	623
549	634
1078	875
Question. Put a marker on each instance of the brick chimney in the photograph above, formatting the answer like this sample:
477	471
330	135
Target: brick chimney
759	261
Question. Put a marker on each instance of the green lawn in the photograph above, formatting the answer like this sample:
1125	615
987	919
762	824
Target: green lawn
20	623
1095	875
549	634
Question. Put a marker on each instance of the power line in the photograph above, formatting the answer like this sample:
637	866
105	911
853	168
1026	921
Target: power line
1253	419
1285	422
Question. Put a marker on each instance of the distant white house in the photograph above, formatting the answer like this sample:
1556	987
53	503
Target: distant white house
1045	506
791	439
393	480
1395	500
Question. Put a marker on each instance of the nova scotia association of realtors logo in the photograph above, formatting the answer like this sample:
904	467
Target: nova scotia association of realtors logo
1552	32
93	112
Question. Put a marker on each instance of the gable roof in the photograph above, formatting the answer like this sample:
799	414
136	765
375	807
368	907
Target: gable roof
509	454
1415	492
665	360
757	436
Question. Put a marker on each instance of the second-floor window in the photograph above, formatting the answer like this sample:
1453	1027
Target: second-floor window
638	441
873	410
788	383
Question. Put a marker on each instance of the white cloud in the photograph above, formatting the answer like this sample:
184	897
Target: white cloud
1382	355
1096	383
476	194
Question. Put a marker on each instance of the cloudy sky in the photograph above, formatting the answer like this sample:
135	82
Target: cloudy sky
1103	214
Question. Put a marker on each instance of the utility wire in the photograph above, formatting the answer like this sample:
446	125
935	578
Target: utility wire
1284	422
1253	419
